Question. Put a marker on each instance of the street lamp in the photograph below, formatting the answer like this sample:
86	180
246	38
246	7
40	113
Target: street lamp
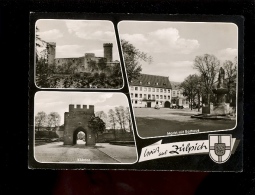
198	89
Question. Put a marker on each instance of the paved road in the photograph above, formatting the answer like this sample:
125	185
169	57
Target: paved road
102	153
151	122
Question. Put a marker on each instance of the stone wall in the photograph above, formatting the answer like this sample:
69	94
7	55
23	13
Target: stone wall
107	137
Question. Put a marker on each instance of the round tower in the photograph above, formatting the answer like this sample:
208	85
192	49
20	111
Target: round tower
51	52
108	51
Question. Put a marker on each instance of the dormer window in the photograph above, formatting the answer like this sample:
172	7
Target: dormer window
149	82
140	82
156	83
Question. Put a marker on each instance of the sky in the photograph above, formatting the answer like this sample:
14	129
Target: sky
74	38
174	45
49	101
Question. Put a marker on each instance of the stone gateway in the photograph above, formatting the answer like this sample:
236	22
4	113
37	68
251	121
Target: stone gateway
75	121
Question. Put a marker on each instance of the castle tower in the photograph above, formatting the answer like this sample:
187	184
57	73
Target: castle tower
76	120
51	52
108	51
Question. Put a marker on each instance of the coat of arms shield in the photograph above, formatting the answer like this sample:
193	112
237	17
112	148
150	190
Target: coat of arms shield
220	147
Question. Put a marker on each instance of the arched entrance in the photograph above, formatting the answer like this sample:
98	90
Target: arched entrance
167	104
79	135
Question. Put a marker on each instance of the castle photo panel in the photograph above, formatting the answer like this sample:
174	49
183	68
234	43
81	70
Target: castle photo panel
76	54
183	79
80	127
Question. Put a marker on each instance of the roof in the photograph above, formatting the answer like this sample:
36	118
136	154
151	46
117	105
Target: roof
152	81
175	85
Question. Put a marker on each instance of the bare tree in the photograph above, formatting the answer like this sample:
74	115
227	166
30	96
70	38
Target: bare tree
132	58
112	119
128	119
40	119
120	115
189	86
53	120
208	66
231	74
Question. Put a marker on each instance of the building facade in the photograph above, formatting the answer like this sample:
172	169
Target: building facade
151	90
177	96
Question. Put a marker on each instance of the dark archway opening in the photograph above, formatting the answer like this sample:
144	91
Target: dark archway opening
79	136
167	104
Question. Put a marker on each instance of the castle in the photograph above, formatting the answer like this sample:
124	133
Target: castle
87	63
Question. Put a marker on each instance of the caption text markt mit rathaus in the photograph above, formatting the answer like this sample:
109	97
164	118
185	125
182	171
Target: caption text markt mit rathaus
183	132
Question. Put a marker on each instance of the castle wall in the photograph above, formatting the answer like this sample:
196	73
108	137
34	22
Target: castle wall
77	62
78	117
81	64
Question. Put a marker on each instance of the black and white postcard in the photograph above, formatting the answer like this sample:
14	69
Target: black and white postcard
136	92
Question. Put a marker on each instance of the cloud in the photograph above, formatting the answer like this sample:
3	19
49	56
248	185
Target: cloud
50	35
162	41
98	35
175	70
94	29
227	54
63	51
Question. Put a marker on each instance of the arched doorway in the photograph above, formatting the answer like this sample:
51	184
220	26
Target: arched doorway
79	136
167	104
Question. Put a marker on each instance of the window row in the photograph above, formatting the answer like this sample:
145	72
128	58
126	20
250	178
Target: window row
149	96
150	89
140	102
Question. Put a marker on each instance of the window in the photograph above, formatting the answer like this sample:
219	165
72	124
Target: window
140	82
149	83
157	83
140	95
149	89
131	88
157	90
164	90
145	89
131	95
164	96
144	96
149	96
153	97
136	95
173	93
136	88
156	96
161	96
161	90
153	89
135	101
168	97
141	88
169	91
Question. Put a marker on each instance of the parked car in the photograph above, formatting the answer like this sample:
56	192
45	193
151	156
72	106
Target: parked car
180	107
173	106
156	106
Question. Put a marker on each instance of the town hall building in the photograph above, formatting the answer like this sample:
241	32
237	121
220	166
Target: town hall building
151	90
